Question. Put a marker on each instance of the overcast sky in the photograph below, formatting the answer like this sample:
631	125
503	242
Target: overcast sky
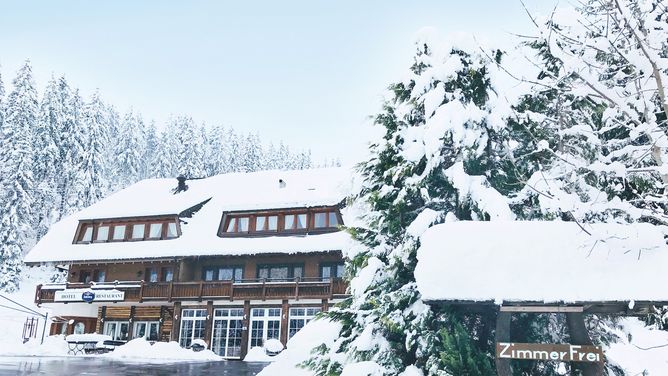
308	72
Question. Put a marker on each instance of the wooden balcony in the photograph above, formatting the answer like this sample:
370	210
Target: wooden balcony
140	291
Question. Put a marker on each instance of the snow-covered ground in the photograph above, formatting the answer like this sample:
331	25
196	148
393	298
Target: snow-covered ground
642	351
11	321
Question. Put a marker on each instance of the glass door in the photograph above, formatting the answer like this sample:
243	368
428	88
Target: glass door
227	330
146	329
193	323
265	324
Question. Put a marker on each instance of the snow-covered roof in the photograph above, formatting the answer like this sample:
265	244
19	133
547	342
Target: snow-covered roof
506	261
228	192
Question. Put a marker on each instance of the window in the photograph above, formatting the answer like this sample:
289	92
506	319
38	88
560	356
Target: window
193	323
88	234
325	219
295	221
152	274
155	231
223	273
85	276
328	271
138	231
171	230
102	234
333	219
100	275
119	232
167	274
299	317
79	328
266	223
279	222
146	329
237	224
280	272
117	330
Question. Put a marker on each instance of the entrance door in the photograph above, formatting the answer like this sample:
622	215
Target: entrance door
193	323
265	324
226	334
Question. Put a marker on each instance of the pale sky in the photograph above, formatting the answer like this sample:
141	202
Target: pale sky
308	72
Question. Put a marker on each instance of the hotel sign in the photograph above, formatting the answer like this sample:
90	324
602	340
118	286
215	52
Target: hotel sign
562	352
89	296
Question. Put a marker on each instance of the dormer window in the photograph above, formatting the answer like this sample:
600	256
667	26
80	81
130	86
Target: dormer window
280	222
118	230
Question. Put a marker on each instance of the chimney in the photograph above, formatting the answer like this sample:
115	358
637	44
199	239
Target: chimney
281	183
182	186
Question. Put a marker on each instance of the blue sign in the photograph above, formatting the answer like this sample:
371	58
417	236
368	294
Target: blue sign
88	296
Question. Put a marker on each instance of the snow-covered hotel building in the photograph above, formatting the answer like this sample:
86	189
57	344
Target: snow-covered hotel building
233	259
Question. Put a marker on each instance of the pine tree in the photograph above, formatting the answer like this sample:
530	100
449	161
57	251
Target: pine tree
163	158
72	152
149	151
218	151
234	160
93	171
251	154
439	159
128	152
16	158
188	160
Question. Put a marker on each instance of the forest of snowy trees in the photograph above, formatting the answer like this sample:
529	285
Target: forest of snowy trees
60	152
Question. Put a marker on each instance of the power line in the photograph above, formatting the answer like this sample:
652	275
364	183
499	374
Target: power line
20	310
21	305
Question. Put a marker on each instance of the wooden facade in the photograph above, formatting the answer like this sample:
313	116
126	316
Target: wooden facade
164	303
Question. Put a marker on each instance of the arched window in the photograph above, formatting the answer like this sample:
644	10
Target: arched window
79	328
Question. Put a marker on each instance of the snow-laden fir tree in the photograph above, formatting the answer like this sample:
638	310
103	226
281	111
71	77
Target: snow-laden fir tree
440	158
47	156
73	140
127	152
149	151
16	192
251	155
189	148
218	151
162	159
92	177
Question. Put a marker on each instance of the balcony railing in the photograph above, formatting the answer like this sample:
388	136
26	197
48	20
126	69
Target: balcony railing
258	289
